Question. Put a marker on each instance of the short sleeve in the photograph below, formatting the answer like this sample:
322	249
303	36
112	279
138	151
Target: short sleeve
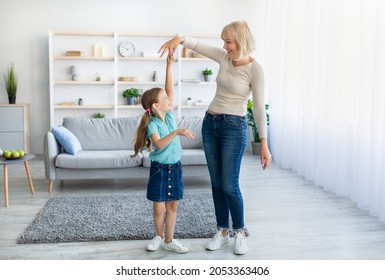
152	128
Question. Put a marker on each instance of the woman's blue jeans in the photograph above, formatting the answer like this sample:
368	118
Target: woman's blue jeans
224	140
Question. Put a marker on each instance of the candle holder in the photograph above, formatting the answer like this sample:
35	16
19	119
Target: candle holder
74	71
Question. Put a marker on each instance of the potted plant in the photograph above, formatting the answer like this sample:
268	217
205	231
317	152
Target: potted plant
207	74
256	143
10	80
131	94
98	115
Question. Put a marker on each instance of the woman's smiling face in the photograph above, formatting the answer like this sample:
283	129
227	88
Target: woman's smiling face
230	46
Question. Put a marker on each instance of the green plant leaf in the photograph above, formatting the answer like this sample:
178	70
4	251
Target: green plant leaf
132	92
207	71
10	80
98	115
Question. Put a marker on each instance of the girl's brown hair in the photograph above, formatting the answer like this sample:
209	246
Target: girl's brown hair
149	97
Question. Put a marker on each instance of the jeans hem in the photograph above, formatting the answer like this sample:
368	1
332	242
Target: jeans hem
222	228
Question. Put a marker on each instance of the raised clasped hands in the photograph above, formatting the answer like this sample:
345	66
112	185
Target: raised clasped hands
170	57
169	46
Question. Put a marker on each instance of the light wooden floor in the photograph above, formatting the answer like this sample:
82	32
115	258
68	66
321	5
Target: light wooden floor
289	219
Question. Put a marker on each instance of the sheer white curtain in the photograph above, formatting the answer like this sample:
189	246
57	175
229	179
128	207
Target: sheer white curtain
324	64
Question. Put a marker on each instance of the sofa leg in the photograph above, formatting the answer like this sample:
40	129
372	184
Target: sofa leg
50	185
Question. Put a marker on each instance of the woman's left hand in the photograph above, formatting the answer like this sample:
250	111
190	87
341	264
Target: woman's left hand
265	155
171	45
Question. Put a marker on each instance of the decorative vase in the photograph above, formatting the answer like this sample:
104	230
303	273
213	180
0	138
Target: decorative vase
131	100
12	99
74	71
207	78
154	76
256	148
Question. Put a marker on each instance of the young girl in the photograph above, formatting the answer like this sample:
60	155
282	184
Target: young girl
158	130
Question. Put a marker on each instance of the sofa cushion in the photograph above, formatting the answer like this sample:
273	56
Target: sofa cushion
189	157
195	125
98	160
193	157
67	140
101	134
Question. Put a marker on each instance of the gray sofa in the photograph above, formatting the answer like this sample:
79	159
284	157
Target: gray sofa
107	144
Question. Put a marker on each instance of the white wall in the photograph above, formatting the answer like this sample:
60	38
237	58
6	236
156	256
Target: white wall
24	26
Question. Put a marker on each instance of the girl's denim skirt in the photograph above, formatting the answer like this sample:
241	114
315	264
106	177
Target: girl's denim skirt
165	183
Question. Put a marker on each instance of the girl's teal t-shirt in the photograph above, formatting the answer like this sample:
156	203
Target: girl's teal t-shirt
171	153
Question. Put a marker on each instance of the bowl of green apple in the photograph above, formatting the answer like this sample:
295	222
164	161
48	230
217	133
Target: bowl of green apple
13	154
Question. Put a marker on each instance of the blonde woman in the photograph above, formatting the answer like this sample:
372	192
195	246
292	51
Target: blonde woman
224	129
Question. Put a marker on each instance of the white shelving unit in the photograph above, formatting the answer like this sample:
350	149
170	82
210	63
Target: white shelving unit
100	57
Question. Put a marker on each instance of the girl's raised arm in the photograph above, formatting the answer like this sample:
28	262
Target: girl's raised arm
169	87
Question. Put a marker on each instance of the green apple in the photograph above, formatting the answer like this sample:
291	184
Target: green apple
7	154
14	154
21	153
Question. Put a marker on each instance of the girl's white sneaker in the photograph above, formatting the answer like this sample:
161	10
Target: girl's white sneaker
155	243
175	246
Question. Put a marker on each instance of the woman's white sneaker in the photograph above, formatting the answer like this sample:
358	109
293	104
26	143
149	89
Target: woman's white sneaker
240	246
175	246
155	243
217	241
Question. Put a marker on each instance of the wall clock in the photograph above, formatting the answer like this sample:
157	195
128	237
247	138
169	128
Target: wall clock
126	49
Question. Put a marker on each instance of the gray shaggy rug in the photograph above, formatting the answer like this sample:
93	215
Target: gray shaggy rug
116	217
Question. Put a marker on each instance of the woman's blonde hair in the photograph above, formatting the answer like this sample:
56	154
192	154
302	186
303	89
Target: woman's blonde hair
240	32
149	97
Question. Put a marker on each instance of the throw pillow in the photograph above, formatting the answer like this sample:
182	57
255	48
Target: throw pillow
67	140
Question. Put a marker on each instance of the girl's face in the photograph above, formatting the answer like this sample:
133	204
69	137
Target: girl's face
231	48
164	104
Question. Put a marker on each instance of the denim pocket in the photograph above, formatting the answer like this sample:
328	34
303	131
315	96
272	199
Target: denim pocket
234	120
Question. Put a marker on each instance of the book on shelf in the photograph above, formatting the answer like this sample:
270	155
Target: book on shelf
66	103
191	81
74	53
128	79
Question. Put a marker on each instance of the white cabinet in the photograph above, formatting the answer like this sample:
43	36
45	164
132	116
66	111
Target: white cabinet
103	74
14	127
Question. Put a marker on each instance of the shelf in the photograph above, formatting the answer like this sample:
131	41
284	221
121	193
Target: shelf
150	83
196	59
199	83
138	106
107	34
112	66
95	58
82	107
133	34
98	83
142	58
